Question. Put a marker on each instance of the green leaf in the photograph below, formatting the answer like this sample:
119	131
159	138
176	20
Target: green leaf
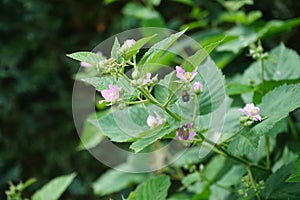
237	88
196	59
275	27
295	176
129	124
277	188
214	88
154	189
191	178
154	53
115	181
86	56
139	11
91	135
115	49
286	158
231	178
187	156
284	100
282	63
54	189
102	84
241	36
150	138
134	49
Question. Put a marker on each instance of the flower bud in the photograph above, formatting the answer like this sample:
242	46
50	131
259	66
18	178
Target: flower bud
198	87
135	75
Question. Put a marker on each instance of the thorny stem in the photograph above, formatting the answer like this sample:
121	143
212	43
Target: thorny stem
235	134
220	150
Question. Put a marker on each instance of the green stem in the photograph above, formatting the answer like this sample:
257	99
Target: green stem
230	138
153	100
196	108
262	75
267	141
217	184
252	182
136	102
292	128
171	96
218	149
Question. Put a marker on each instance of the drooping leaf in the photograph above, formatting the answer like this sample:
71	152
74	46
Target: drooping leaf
115	181
200	55
154	189
275	27
86	56
154	53
54	189
277	188
295	176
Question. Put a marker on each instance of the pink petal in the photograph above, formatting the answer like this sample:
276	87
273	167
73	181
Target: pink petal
191	135
257	118
105	94
190	125
84	64
179	70
194	73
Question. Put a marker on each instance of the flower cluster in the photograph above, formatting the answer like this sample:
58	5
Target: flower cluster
185	76
144	80
251	113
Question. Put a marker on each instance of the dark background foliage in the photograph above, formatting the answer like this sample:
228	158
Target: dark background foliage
37	135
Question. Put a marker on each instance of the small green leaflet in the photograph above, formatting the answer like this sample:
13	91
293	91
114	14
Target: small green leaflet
154	189
154	53
54	189
86	56
295	176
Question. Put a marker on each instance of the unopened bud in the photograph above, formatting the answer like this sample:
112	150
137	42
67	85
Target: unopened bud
135	74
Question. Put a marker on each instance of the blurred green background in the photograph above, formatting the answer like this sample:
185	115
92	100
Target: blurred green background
37	134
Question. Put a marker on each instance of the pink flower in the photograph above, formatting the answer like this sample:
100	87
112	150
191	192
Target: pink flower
251	111
198	87
185	132
185	76
126	45
154	121
112	94
84	64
